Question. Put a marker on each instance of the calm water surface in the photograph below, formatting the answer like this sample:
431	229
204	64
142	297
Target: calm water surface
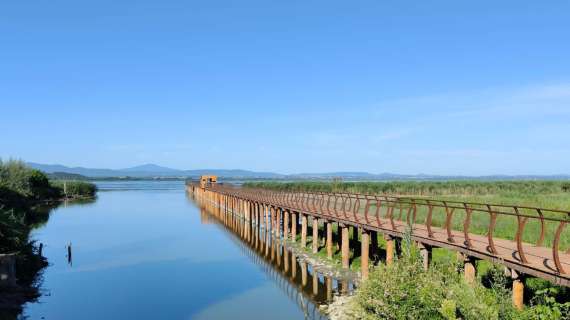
143	251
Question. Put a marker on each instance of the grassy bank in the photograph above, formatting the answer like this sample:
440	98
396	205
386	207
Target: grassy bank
23	191
26	198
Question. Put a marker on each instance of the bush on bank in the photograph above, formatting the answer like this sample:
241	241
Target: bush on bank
19	182
21	190
404	290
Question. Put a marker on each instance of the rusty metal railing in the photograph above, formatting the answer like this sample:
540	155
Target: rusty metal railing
455	219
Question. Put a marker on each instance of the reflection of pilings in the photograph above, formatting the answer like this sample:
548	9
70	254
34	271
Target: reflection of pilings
305	296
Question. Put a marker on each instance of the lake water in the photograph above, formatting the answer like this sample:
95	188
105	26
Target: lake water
144	250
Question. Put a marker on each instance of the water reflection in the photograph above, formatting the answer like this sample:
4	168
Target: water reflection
296	277
142	254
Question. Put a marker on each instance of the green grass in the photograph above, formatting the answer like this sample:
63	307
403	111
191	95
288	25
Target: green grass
424	188
543	194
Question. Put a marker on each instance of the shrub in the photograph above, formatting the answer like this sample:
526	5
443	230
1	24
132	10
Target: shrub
545	307
13	230
29	183
76	189
405	291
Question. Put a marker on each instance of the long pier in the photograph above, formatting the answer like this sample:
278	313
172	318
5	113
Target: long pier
430	223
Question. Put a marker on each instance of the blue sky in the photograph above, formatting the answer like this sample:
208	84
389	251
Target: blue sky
442	87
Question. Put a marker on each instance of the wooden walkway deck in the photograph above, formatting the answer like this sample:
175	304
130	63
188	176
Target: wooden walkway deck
395	215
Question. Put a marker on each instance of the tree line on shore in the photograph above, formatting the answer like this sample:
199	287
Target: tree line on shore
26	199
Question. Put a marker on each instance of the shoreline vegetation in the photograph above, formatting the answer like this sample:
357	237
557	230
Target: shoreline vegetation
26	199
404	290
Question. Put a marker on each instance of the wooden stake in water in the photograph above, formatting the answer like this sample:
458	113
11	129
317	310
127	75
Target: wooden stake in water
69	257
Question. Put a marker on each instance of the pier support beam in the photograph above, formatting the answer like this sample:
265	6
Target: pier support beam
315	283
390	244
518	290
315	235
303	230
286	259
329	287
266	210
294	227
374	245
258	218
329	240
303	273
285	224
425	252
345	246
272	214
293	266
365	246
278	213
469	268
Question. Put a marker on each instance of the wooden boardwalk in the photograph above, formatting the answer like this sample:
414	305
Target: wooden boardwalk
532	249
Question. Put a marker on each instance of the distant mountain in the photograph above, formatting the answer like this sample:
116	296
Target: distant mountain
150	170
66	176
156	171
235	173
52	168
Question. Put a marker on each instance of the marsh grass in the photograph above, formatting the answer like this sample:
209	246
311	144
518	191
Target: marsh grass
541	194
76	189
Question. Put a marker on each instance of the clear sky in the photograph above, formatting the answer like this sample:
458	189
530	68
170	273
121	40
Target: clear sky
441	87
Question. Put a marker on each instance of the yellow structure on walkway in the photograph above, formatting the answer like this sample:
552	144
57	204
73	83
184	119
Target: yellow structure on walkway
207	180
